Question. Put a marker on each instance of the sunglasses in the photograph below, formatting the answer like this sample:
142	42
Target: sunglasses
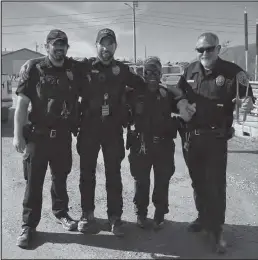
207	49
152	72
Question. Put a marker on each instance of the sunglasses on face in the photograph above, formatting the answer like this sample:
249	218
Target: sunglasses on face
152	72
207	49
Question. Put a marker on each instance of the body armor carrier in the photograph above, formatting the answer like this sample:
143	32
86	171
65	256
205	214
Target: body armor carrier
58	97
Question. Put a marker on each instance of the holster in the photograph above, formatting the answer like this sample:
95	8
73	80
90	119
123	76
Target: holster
130	138
28	133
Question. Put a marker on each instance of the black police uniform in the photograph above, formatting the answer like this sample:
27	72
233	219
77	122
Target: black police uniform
206	135
53	92
152	145
101	126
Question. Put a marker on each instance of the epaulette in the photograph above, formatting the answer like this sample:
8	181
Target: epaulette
92	60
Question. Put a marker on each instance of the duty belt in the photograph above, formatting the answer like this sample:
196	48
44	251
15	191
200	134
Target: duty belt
157	139
212	131
50	132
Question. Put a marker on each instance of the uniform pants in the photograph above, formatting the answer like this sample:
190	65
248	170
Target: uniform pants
41	151
88	146
207	162
161	157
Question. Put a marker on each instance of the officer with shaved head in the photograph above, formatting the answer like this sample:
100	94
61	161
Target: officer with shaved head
211	83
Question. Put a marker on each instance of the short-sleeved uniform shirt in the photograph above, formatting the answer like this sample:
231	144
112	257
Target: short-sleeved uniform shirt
213	92
57	76
106	86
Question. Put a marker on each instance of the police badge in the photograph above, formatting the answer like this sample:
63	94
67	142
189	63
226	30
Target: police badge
242	78
116	70
220	80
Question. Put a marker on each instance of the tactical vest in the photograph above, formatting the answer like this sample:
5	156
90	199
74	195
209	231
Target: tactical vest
154	119
57	104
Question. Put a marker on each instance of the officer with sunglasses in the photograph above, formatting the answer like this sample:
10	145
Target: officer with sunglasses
152	131
211	83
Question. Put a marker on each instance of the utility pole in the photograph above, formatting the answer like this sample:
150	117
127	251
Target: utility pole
256	56
37	47
135	4
145	53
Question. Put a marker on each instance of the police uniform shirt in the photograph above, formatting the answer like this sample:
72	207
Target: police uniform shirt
107	81
29	89
216	86
153	115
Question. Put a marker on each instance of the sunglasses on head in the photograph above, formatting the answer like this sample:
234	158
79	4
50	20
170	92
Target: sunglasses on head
207	49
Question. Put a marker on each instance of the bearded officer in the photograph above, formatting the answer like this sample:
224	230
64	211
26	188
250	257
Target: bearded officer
211	83
52	90
102	120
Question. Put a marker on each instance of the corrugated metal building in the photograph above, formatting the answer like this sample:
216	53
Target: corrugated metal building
12	61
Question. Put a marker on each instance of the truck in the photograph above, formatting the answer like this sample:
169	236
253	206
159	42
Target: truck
6	95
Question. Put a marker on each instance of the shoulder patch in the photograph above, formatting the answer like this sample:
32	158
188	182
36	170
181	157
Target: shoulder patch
163	92
242	78
132	70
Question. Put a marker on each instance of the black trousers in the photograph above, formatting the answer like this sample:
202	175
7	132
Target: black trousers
88	146
161	157
41	151
207	163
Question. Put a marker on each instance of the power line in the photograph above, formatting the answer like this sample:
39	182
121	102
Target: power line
198	16
121	22
197	29
71	28
81	21
48	16
200	21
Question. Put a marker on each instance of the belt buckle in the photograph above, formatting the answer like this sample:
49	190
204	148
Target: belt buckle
196	132
52	133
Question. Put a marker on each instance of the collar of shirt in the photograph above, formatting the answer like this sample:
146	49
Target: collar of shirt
198	68
98	61
49	64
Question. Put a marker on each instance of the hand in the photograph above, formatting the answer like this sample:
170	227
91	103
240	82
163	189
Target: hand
247	104
19	144
237	101
186	110
24	71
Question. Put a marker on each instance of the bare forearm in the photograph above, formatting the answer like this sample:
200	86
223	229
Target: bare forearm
20	119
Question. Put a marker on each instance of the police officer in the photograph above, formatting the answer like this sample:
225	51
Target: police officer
101	126
52	90
211	83
152	142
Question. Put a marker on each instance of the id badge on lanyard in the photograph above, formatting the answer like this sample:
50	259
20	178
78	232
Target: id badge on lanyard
105	106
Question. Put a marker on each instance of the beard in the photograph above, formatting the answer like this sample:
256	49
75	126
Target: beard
58	55
207	63
105	55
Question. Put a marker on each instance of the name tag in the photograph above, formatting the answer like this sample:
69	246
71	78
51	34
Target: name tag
105	110
220	105
190	81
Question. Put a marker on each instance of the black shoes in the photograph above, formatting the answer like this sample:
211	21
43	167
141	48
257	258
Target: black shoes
195	226
116	226
141	221
88	223
25	237
67	222
158	221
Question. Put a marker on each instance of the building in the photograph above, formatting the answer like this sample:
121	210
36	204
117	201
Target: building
12	61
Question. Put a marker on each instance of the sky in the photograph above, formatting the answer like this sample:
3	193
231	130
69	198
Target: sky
168	30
